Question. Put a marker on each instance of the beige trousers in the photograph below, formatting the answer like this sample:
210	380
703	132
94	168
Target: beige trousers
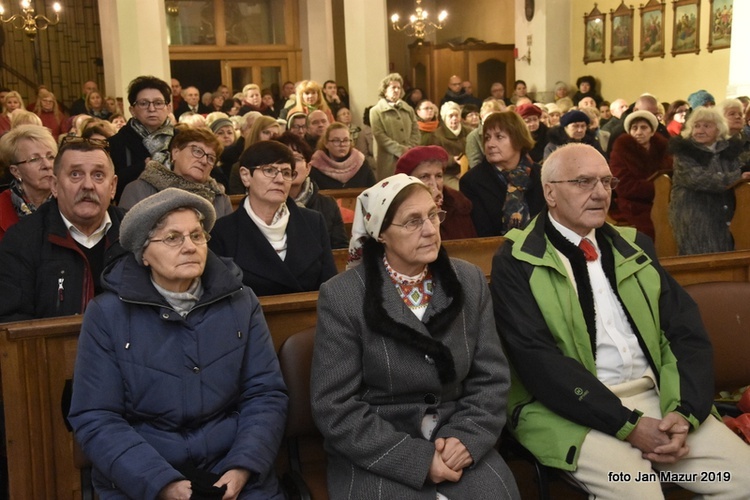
717	465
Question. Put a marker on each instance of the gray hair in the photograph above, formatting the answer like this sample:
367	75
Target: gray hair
704	114
393	77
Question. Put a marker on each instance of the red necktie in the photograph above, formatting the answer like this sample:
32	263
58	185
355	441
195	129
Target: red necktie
588	249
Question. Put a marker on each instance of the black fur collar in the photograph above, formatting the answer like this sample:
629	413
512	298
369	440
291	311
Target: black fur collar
378	319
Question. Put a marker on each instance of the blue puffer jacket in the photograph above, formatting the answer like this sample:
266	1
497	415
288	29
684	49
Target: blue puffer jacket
154	391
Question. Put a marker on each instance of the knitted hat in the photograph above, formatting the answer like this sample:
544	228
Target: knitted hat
641	115
552	108
700	98
574	116
221	122
420	154
290	119
528	109
370	211
142	218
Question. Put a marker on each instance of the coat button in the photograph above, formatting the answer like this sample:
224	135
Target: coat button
430	399
196	369
429	359
165	315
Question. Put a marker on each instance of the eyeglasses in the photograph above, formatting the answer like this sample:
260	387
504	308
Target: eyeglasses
589	183
340	142
37	160
70	141
271	172
177	239
199	153
299	127
145	104
414	224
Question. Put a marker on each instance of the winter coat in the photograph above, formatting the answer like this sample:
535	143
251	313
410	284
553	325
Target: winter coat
156	177
378	370
154	391
308	263
44	273
486	188
454	144
555	396
633	165
702	205
395	130
128	155
540	142
328	207
8	214
556	137
458	223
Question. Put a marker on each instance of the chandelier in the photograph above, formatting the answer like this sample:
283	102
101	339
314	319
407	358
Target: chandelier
29	21
419	25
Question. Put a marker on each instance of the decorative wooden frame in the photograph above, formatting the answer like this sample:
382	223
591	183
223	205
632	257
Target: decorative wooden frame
720	24
621	32
594	36
652	29
686	27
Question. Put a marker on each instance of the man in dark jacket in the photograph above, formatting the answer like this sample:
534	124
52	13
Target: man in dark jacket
53	259
147	134
613	371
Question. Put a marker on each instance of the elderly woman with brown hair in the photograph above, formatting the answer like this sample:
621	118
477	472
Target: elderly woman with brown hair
706	164
409	381
177	390
193	154
427	163
310	98
336	164
28	151
505	189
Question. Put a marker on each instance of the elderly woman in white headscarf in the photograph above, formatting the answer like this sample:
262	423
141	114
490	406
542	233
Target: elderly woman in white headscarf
409	381
451	136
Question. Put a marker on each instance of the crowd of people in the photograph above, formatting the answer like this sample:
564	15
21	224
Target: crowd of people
177	387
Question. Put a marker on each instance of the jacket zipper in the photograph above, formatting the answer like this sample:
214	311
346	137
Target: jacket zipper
60	289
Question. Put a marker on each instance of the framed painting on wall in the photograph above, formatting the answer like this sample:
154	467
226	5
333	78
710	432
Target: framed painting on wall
622	33
686	27
594	37
652	29
720	27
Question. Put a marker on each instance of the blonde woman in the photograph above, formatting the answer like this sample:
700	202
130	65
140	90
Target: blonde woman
310	98
13	101
49	112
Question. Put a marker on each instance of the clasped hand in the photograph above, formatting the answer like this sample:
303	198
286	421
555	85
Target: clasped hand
449	460
661	441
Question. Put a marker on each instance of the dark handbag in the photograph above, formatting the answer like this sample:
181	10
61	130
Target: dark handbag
202	483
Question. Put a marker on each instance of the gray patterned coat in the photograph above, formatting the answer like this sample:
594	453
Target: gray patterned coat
377	370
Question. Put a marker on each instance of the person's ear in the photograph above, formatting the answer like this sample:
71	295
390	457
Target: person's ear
549	196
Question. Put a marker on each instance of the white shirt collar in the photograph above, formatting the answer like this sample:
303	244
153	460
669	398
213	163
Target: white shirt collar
94	238
571	235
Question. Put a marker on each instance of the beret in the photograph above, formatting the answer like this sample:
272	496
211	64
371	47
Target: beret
528	109
552	108
420	154
700	98
574	116
221	122
641	115
142	218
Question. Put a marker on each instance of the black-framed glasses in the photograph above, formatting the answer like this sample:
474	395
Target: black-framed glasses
589	183
200	153
340	142
178	239
36	161
145	104
299	127
70	141
271	172
416	223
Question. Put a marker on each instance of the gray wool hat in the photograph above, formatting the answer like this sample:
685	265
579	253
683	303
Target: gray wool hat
142	218
221	122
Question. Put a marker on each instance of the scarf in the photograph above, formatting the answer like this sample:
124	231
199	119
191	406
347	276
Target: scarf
428	127
275	232
305	193
156	142
160	177
342	170
515	209
18	199
182	302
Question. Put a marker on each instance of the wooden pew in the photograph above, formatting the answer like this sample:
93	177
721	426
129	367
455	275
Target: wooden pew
236	200
740	226
664	239
36	357
346	196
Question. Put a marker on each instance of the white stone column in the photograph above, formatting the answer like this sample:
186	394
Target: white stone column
316	40
134	43
367	28
739	70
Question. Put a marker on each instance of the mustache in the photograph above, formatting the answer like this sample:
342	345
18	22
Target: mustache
87	196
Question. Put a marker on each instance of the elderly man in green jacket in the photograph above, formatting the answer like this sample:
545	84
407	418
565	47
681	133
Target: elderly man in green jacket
612	369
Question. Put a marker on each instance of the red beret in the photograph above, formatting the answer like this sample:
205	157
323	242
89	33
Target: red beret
528	109
420	154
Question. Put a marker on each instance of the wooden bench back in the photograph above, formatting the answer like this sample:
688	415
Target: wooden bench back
664	239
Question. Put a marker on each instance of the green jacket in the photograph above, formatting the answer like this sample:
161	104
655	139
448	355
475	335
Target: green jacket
555	397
